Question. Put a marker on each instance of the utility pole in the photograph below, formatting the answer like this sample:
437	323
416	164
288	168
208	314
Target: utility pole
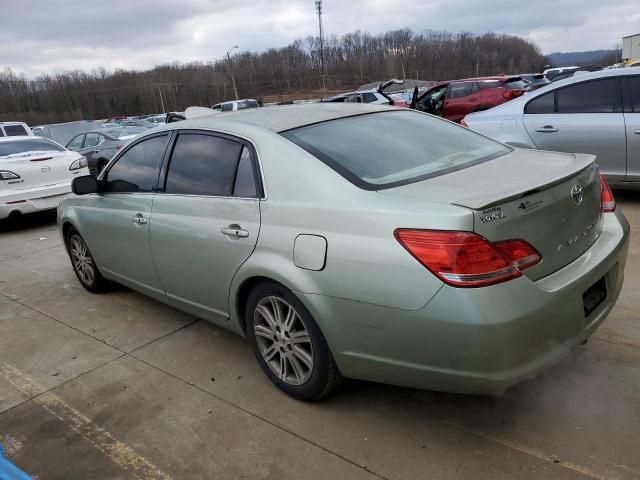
319	11
233	79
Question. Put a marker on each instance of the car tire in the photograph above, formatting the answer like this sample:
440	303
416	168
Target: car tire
285	338
83	264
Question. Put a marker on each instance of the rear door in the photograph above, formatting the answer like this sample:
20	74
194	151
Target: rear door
584	117
462	98
116	222
206	219
632	124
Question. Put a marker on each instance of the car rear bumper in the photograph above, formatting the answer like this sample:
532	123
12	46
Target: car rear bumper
32	199
479	341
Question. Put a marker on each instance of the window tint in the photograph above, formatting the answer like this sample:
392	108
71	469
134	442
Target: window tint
633	87
598	96
227	107
76	143
202	165
14	130
369	97
422	146
460	89
541	104
91	140
217	108
136	169
35	145
245	185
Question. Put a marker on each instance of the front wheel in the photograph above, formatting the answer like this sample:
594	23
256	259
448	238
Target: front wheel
83	264
288	344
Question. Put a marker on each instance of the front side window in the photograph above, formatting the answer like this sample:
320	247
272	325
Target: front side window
92	140
137	169
15	130
24	146
227	107
386	149
76	143
202	165
597	96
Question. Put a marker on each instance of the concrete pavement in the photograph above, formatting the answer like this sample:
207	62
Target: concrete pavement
118	386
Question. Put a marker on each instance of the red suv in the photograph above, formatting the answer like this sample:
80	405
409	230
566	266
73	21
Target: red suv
457	98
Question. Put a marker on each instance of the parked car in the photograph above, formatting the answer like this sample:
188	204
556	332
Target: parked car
98	146
14	129
393	246
455	99
63	132
536	80
35	173
127	122
235	105
374	96
596	112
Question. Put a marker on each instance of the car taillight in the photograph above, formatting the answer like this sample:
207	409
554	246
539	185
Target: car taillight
463	123
607	202
7	175
511	94
78	164
464	259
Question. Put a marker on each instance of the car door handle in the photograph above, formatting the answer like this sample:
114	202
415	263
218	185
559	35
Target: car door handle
637	132
235	230
547	129
96	151
139	219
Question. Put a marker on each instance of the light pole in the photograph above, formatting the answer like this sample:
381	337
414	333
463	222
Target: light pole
233	79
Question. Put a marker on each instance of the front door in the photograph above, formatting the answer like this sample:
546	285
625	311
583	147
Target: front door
205	220
584	117
116	221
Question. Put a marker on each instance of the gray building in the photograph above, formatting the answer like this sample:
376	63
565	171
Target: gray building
631	46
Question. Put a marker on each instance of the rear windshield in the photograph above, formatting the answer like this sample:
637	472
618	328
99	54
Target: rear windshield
387	149
36	145
516	83
15	130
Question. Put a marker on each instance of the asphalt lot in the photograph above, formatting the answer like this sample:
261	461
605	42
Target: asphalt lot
119	386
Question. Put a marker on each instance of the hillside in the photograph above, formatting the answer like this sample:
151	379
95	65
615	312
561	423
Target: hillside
579	58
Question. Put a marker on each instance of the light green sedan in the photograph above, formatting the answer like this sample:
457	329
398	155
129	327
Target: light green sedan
358	241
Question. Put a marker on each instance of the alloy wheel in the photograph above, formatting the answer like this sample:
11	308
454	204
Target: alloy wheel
81	259
283	340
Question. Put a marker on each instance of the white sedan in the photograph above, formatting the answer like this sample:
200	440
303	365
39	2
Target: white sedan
35	173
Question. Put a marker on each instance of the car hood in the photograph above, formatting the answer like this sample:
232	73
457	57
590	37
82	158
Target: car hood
498	180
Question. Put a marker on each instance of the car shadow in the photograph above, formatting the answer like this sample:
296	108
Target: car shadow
29	221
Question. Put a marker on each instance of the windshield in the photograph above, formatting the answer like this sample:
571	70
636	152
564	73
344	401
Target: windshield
387	149
35	145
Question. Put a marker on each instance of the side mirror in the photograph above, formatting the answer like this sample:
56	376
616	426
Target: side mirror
84	185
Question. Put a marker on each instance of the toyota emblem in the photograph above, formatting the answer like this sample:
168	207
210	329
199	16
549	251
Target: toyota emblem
577	194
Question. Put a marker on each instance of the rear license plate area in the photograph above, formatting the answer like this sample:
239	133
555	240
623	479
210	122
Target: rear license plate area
594	296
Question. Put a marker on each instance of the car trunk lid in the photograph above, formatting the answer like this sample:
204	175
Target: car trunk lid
529	196
37	169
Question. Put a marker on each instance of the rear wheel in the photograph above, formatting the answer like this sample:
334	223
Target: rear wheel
288	344
83	264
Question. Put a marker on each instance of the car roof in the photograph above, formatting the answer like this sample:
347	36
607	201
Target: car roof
279	118
12	123
22	137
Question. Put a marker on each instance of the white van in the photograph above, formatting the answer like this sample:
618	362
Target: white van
14	129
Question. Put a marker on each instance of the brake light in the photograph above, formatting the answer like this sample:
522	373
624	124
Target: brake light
607	202
81	162
464	259
511	94
463	123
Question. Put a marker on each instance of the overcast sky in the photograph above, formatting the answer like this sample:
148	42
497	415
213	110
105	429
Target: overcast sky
39	36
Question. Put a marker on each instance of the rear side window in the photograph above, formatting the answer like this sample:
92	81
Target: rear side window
137	169
92	140
515	84
35	145
203	165
633	89
484	84
597	96
457	90
245	183
227	107
76	143
1	132
14	130
542	104
369	97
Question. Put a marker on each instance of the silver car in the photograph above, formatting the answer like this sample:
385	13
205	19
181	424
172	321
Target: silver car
358	241
597	112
